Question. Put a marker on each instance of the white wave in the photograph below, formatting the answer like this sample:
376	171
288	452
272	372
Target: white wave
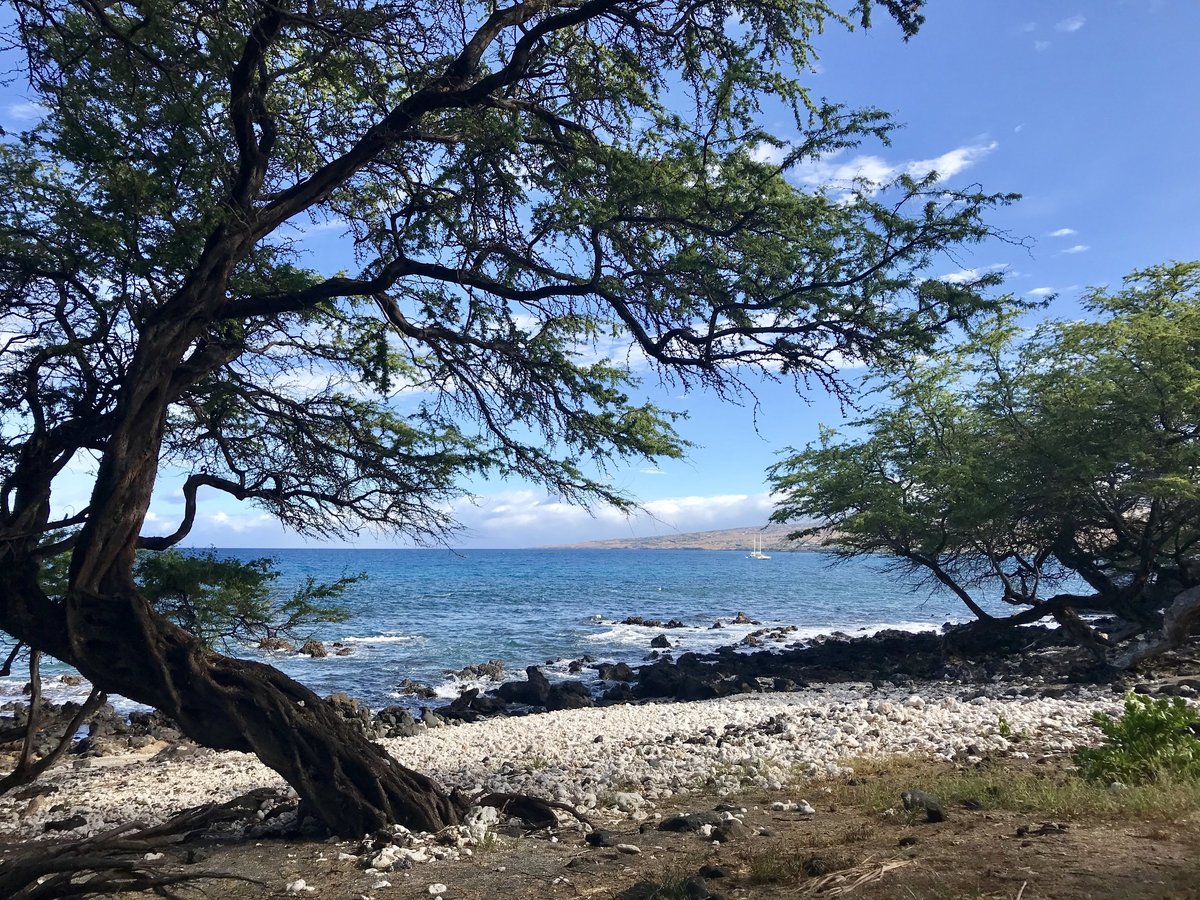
388	637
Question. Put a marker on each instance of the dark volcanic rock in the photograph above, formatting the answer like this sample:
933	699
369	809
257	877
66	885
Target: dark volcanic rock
493	669
660	642
691	821
416	689
533	692
618	672
969	652
396	721
315	649
653	623
568	695
602	838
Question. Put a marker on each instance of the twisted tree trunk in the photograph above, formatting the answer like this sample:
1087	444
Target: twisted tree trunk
233	704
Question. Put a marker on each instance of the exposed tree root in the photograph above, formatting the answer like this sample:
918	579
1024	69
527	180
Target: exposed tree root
105	864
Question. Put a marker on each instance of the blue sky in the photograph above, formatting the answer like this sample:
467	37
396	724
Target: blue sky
1088	109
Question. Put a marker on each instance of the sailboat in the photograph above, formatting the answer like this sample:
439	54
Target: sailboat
757	553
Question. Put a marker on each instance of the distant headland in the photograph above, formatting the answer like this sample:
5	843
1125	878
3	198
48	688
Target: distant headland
773	538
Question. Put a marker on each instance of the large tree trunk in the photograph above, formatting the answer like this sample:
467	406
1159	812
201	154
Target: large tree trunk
233	704
123	647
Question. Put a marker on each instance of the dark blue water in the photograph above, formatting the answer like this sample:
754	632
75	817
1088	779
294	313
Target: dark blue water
421	613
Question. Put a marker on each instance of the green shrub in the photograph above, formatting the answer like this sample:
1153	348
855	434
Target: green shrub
1152	738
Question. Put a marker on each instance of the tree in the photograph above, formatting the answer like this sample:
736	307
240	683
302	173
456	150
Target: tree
1021	465
525	187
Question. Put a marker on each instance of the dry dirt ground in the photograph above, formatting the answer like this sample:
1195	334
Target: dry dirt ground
1024	845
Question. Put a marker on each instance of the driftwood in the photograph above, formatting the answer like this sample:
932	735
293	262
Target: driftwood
1179	619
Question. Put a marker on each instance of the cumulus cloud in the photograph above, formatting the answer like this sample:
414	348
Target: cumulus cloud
1041	46
1063	232
1042	292
1074	23
1078	248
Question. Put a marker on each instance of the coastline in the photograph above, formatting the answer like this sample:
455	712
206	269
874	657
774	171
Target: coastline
756	764
585	757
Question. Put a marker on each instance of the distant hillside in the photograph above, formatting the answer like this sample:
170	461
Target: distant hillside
773	538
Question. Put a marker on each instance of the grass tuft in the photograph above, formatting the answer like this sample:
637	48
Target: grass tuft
1050	791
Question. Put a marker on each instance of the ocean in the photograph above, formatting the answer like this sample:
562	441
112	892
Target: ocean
423	613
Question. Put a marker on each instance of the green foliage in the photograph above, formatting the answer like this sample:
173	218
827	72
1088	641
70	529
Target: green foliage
532	207
1027	458
1152	739
223	600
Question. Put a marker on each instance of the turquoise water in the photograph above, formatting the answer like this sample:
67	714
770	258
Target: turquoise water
422	613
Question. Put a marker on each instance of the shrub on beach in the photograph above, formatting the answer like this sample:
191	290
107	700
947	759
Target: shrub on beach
1153	738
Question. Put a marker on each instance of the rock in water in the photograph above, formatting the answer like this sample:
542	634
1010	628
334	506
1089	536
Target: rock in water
533	692
660	642
315	649
615	672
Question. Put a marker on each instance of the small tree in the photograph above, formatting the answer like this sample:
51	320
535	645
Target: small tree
1018	462
223	600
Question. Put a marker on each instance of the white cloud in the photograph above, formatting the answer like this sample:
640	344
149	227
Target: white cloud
965	276
1063	232
240	522
530	518
1019	128
1078	248
1042	292
1074	23
651	472
1029	26
25	112
767	153
875	171
952	163
1041	46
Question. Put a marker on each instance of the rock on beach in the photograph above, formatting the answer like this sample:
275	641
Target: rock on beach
768	741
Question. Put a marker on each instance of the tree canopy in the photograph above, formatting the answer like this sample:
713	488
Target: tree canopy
1019	466
542	202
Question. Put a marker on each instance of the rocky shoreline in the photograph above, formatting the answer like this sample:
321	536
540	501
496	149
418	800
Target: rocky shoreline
968	661
1033	661
762	722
